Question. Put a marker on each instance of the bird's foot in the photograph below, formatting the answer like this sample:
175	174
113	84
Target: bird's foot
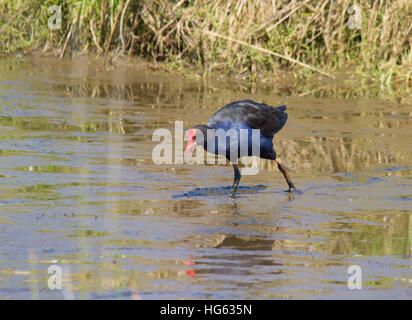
232	194
292	189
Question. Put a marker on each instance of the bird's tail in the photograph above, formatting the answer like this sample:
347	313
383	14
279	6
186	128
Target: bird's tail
281	108
281	117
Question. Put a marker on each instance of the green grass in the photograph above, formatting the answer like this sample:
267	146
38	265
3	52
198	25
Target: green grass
228	35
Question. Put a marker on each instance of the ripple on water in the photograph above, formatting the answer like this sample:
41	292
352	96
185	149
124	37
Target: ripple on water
79	189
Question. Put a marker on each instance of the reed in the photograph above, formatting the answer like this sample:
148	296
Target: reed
242	36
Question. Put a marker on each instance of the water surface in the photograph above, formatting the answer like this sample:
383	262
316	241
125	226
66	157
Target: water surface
79	189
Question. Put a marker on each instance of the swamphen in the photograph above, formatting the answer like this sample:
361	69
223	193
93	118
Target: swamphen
245	114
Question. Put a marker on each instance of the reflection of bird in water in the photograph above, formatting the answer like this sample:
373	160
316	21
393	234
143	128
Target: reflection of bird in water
233	252
240	254
190	272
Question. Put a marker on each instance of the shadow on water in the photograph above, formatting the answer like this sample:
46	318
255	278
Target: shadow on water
79	189
219	191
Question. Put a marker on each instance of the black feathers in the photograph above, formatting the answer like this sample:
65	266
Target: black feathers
256	115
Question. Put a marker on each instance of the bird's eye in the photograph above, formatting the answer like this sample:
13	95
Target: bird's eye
194	138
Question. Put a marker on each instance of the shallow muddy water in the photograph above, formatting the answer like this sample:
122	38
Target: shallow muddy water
79	190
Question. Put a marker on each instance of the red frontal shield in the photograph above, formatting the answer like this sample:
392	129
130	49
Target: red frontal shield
191	143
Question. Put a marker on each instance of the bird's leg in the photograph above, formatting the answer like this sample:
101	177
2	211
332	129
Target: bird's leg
285	173
235	181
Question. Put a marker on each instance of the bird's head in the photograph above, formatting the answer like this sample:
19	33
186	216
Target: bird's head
197	136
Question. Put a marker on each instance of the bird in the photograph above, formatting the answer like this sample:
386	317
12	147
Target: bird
229	121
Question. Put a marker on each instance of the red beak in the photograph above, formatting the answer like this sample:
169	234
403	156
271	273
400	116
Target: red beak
191	143
190	146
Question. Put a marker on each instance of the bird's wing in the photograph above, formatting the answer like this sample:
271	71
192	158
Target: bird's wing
256	115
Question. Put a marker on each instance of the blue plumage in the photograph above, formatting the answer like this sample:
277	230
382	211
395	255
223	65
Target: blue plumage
248	115
242	128
235	139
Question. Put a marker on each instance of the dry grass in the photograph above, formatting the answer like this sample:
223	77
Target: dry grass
242	36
